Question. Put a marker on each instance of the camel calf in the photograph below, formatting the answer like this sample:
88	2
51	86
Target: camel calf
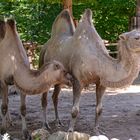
14	69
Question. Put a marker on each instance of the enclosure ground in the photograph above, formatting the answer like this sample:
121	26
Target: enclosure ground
120	118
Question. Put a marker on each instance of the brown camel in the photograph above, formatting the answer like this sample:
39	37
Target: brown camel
85	56
14	69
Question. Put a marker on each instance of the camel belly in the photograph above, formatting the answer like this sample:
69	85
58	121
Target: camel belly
89	78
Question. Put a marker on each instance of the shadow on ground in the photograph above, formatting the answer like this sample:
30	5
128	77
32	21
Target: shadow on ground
120	117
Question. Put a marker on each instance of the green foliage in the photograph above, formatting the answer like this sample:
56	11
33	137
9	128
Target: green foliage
111	17
35	17
34	20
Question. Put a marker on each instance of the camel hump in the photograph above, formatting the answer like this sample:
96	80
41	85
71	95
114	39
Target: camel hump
84	23
11	22
63	24
2	28
87	16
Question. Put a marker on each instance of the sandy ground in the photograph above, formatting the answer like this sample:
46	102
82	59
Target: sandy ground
120	118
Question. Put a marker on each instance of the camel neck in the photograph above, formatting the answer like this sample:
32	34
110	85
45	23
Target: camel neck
31	81
123	71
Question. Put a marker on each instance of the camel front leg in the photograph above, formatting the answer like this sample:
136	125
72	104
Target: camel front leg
56	92
11	90
4	106
100	90
23	116
44	103
77	88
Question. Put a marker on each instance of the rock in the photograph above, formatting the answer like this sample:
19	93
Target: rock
43	134
100	137
60	135
40	134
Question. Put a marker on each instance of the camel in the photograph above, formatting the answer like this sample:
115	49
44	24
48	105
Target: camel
14	69
86	58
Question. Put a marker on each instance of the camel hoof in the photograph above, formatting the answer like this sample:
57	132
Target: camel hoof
2	131
70	129
26	135
98	132
46	126
59	123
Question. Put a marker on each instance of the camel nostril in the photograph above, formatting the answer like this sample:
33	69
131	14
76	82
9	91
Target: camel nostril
65	73
137	38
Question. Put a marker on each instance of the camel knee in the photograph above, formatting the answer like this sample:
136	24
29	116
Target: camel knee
44	100
54	97
23	110
4	109
75	111
44	103
55	94
99	110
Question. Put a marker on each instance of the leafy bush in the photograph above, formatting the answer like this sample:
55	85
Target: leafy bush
111	17
34	18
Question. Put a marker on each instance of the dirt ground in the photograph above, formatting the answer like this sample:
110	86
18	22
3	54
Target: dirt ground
120	118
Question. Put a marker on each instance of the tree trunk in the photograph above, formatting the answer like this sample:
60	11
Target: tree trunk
135	21
138	8
67	4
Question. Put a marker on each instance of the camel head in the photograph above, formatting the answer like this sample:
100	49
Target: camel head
57	73
132	40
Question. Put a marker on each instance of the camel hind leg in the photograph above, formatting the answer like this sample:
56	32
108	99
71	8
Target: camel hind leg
44	102
55	95
4	106
100	90
77	88
23	115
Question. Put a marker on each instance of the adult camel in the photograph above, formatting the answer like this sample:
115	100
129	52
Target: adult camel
85	56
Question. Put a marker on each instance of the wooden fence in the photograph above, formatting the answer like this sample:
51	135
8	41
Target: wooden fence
31	48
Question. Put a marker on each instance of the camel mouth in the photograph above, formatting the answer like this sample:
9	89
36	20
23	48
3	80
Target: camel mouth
69	79
136	49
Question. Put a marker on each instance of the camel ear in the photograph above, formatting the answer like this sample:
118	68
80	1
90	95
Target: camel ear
56	66
2	28
122	36
87	16
63	25
12	24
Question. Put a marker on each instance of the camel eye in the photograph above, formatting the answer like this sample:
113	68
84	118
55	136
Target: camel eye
56	66
65	73
137	38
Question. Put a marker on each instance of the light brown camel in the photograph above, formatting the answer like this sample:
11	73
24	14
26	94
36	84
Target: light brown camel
14	69
85	56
